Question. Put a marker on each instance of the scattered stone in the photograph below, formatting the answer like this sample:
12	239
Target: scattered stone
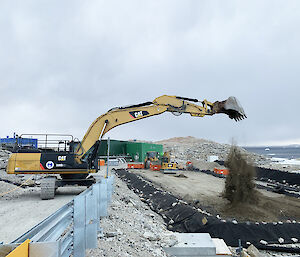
171	221
263	242
111	234
150	236
245	254
253	251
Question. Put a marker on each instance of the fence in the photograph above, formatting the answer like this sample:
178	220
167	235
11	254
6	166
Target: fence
70	230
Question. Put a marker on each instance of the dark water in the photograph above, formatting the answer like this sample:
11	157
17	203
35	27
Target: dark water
276	151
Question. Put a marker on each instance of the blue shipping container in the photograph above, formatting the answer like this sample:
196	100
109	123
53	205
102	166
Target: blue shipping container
32	142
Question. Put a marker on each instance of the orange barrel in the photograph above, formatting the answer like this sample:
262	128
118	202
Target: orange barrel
155	166
135	165
224	172
101	162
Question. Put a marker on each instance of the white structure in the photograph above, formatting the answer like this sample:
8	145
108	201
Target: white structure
198	244
212	158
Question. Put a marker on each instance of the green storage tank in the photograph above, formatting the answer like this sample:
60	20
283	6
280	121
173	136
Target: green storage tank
116	148
138	150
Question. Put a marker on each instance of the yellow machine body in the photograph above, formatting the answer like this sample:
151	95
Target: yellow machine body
19	162
166	163
168	166
34	163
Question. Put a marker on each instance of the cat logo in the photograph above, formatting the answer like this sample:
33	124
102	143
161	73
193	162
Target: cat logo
138	114
61	158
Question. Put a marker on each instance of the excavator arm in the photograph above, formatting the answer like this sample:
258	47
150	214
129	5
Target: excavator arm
174	104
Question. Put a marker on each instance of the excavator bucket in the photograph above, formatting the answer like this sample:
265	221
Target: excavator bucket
231	107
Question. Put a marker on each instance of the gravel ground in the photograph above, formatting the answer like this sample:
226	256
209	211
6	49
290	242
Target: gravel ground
3	158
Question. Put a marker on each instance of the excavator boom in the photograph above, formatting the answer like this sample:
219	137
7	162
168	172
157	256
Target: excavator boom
86	150
174	104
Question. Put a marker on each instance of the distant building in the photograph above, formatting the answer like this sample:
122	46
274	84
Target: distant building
133	151
10	142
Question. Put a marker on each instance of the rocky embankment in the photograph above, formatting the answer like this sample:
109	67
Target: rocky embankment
11	182
4	155
132	228
197	150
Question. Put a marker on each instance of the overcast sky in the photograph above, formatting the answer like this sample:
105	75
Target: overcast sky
64	63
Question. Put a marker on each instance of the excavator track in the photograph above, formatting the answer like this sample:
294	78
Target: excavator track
48	188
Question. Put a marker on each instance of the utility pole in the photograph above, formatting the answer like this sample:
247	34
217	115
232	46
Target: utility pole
108	147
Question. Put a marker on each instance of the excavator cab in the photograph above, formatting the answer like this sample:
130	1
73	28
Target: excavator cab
152	157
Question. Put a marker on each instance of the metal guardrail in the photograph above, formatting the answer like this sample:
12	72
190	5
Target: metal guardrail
74	227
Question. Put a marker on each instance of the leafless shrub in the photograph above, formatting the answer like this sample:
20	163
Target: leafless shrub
239	185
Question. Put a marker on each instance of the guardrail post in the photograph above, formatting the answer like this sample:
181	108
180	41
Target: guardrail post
96	192
109	187
103	198
91	220
79	226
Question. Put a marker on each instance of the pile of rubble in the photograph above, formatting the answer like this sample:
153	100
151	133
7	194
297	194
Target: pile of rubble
4	155
183	148
132	228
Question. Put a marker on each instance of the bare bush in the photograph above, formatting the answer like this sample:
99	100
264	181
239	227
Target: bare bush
239	185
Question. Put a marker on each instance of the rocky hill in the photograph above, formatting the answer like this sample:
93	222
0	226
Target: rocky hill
183	149
186	148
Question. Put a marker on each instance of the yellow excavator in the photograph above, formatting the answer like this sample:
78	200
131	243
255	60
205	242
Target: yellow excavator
79	158
166	164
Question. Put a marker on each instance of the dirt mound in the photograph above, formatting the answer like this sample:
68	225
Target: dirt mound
190	148
267	209
186	140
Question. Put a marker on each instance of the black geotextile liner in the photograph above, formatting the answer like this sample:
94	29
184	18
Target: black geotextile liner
183	217
277	175
280	190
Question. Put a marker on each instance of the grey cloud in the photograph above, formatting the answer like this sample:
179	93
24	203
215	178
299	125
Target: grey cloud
62	64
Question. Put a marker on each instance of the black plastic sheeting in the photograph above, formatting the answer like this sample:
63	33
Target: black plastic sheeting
280	190
183	217
276	175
